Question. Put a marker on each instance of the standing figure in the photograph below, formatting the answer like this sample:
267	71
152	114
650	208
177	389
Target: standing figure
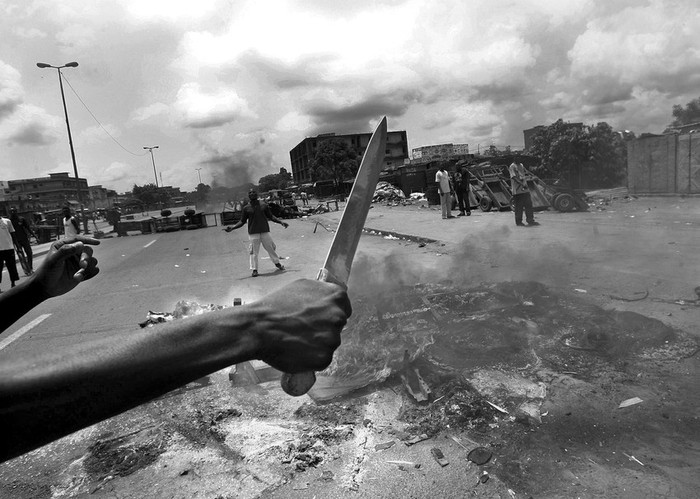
442	178
462	186
22	233
7	250
257	214
521	194
304	198
71	226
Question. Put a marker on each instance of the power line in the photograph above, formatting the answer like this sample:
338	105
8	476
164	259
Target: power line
98	121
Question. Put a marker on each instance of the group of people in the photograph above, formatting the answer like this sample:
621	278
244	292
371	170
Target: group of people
459	182
48	395
15	236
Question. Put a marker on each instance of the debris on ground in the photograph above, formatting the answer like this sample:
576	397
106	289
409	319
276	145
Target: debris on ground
439	457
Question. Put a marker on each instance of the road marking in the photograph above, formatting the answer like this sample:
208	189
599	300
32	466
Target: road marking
17	334
150	243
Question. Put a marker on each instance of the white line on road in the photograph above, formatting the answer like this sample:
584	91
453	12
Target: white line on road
17	334
150	243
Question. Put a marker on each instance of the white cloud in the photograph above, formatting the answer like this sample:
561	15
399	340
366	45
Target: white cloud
30	125
11	92
97	134
200	109
152	111
293	121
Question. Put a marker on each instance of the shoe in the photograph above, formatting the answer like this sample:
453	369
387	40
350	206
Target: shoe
533	224
279	266
461	214
469	213
519	224
451	216
255	273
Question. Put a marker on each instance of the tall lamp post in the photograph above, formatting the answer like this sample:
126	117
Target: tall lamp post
43	65
199	174
150	149
690	159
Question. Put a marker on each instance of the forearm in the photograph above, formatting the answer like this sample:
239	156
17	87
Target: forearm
51	396
16	302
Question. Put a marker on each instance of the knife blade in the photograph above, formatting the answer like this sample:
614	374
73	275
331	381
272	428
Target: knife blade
336	268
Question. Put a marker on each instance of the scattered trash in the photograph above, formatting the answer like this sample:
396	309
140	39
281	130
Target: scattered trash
300	486
479	455
484	477
327	476
405	463
629	402
416	439
580	290
644	294
384	446
439	457
632	458
500	409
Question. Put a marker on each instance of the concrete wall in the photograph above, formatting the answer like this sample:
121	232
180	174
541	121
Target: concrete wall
664	164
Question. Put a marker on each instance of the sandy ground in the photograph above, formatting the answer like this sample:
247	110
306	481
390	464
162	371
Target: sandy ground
529	338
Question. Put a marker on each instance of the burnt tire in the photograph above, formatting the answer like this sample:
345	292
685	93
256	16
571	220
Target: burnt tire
564	202
485	204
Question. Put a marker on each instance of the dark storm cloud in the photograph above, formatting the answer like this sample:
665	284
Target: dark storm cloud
304	72
355	117
32	134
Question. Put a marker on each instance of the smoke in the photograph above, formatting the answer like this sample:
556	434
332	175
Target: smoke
237	168
477	259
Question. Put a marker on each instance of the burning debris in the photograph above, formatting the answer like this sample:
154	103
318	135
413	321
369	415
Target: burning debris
183	309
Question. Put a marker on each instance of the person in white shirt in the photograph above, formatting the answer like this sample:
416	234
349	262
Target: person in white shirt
442	177
71	226
7	250
521	194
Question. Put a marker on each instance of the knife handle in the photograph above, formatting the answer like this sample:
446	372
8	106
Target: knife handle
298	384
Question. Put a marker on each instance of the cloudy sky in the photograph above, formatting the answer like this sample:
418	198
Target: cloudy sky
230	86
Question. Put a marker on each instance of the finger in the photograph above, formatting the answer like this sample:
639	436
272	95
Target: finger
82	239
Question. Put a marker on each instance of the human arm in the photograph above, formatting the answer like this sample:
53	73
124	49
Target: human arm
239	224
67	264
273	218
294	329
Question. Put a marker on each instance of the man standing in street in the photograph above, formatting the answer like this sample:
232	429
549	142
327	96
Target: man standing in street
462	186
521	194
442	178
22	233
71	226
257	214
7	250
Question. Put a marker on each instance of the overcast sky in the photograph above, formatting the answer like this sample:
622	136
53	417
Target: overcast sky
231	86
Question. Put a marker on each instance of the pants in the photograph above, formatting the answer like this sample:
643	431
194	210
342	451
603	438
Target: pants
256	240
463	200
7	257
27	247
523	201
445	204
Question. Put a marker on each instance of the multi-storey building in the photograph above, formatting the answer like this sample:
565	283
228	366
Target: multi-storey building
44	193
396	153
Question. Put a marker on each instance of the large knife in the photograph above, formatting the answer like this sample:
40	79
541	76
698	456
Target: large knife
338	263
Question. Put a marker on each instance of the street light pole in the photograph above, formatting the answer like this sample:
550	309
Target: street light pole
150	149
690	159
43	65
199	174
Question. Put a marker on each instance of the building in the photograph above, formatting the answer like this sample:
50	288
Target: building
44	193
426	154
302	154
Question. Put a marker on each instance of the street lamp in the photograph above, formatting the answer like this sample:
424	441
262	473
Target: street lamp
43	65
150	149
200	175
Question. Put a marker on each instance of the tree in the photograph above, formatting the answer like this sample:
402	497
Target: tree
275	181
583	156
202	193
149	194
334	160
686	115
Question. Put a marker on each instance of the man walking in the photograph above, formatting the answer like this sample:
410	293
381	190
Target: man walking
442	178
462	186
521	194
22	233
7	250
257	214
